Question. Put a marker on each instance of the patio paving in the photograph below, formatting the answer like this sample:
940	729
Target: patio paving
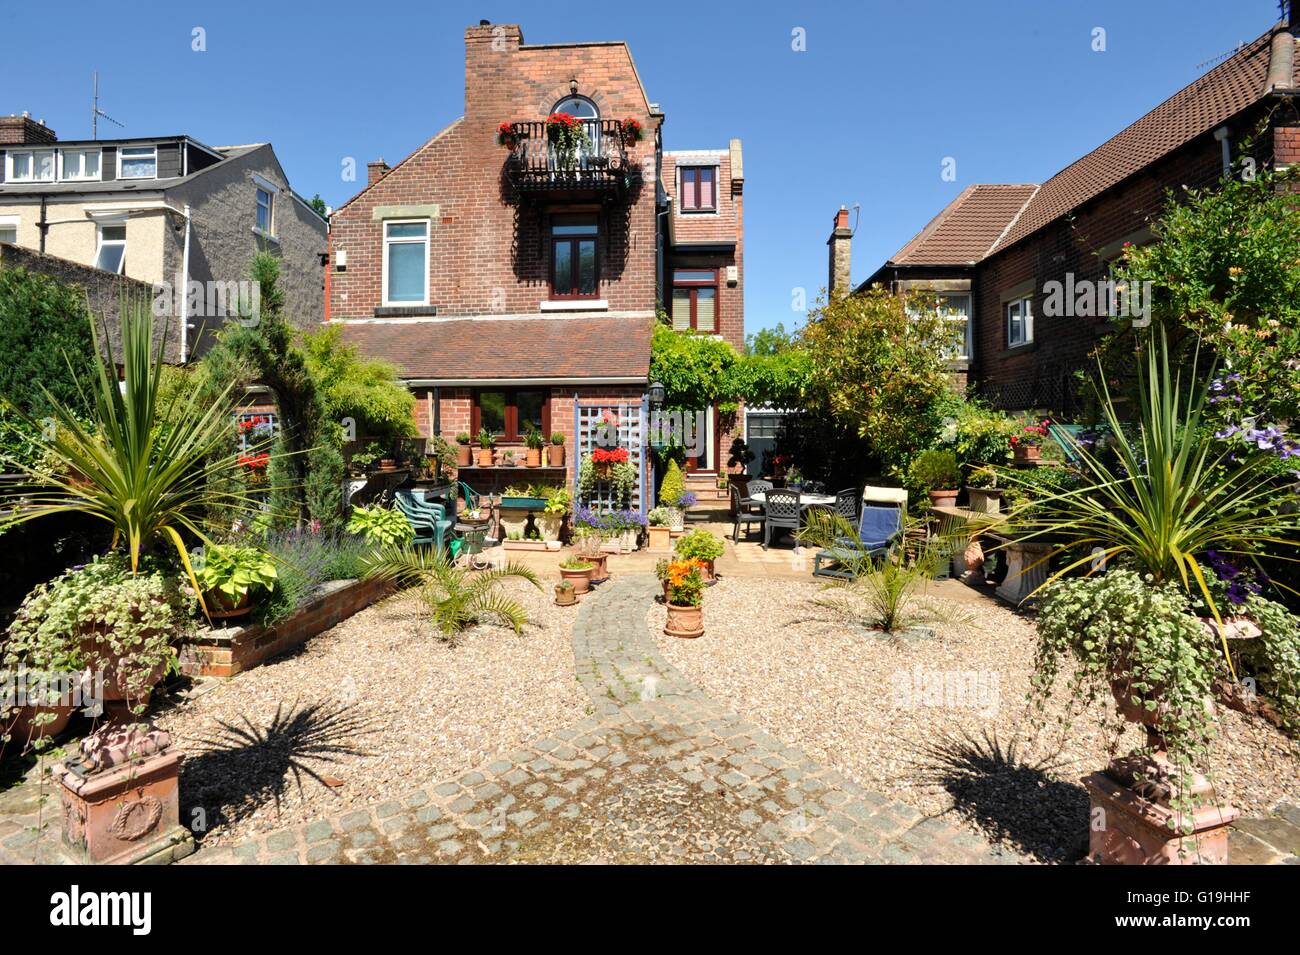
659	773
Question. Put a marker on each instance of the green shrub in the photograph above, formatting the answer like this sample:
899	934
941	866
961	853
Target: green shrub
699	545
935	470
45	343
673	486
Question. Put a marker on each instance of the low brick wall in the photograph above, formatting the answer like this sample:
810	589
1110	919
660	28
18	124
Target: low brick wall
225	651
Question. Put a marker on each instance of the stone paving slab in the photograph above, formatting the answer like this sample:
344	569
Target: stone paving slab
660	773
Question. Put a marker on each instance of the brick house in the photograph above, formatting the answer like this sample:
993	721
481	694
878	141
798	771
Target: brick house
514	285
995	250
164	211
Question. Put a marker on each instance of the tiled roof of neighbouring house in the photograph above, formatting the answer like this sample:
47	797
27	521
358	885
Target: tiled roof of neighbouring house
565	349
1234	85
967	228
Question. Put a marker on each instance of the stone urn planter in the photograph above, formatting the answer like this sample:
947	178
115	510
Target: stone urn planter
579	578
123	687
684	621
676	520
985	500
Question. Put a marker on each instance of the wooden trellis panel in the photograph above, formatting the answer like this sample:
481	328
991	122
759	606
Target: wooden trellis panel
631	429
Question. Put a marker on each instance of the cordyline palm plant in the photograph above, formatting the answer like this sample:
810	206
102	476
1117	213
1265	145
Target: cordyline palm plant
1175	493
456	596
149	471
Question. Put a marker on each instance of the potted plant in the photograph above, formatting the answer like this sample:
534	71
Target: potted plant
362	461
104	619
506	136
936	470
463	453
589	530
632	131
564	594
507	458
685	599
1028	443
657	527
230	575
703	549
533	441
982	492
577	571
674	496
569	138
555	455
604	459
486	442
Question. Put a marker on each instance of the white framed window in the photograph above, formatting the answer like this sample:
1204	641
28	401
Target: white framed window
137	162
78	164
955	307
111	254
9	229
265	211
406	262
1020	321
30	165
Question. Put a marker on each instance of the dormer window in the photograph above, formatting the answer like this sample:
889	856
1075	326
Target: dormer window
30	165
699	188
79	164
137	162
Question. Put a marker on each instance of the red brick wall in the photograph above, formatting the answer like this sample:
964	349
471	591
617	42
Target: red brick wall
1042	376
476	264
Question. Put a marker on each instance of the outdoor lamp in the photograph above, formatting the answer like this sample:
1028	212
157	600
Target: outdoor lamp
573	86
657	393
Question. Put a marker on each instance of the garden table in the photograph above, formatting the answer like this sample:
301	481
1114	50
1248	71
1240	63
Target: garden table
806	499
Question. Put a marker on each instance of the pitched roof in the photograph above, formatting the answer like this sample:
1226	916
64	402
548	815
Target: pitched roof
496	348
967	228
1234	85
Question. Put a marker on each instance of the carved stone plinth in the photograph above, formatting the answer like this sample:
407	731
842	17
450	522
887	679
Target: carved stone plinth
120	799
1128	828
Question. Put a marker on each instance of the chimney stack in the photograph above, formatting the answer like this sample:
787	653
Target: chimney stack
840	281
375	171
25	131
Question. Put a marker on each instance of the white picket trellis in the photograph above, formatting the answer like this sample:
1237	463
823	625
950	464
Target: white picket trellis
631	428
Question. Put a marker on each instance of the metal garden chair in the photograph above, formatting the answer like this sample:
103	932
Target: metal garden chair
781	513
745	515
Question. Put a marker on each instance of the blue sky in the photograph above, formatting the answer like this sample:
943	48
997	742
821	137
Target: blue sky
866	114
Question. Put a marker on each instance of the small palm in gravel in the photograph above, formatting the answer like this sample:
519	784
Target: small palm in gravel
457	597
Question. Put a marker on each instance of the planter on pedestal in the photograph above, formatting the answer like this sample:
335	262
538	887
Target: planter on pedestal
985	500
1026	570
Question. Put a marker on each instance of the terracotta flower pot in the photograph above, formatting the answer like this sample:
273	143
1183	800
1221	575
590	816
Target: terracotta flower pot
686	622
121	687
660	537
943	498
555	455
485	457
1026	452
706	571
581	579
23	730
600	573
533	459
464	455
221	607
566	596
387	464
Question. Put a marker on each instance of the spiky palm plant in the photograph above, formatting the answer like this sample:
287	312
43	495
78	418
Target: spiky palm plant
456	596
1176	492
148	469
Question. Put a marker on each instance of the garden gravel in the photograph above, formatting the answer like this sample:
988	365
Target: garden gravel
958	742
374	707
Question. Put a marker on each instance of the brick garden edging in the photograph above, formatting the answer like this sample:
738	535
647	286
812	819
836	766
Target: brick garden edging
225	651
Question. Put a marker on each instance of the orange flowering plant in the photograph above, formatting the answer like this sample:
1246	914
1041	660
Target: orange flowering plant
685	583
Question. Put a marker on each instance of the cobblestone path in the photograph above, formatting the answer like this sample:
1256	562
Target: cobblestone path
659	773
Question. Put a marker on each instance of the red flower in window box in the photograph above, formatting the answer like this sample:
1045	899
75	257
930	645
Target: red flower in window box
254	462
632	131
609	455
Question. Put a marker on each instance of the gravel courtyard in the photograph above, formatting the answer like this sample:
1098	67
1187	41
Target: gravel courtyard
368	710
939	723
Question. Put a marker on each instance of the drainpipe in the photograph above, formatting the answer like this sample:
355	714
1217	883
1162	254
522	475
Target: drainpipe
43	225
185	290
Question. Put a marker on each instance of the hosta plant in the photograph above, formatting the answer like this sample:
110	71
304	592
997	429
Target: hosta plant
235	571
380	525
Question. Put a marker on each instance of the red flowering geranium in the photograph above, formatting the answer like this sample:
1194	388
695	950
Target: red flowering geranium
1033	434
506	135
609	455
254	462
632	131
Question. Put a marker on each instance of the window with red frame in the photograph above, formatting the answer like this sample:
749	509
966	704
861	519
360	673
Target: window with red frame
699	190
575	257
695	300
507	412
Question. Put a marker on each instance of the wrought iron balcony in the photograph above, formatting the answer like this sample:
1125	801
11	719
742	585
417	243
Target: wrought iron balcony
537	165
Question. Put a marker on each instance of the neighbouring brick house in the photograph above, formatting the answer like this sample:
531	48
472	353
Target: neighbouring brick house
163	211
992	251
514	285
